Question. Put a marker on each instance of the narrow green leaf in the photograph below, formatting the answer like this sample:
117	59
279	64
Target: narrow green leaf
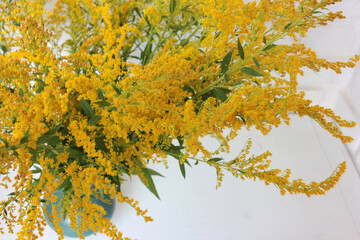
154	173
26	136
227	78
264	40
269	47
102	104
256	63
54	129
101	94
145	55
287	26
94	120
172	6
87	108
36	171
217	34
147	21
65	184
100	144
182	169
137	11
181	141
40	85
124	169
73	153
149	183
4	141
115	179
117	90
241	50
21	94
251	72
225	63
238	83
196	163
215	159
183	42
220	93
4	49
49	139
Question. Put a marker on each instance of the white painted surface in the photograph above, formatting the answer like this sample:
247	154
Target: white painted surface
193	209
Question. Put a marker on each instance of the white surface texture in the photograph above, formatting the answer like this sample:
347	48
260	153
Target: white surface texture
191	208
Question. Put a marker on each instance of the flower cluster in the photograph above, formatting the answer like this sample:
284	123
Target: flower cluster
93	90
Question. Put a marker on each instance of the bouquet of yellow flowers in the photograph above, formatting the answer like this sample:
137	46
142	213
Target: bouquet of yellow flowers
92	91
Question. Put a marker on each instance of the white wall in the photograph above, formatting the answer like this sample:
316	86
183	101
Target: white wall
339	40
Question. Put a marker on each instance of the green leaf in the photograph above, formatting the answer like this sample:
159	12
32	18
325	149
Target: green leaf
227	78
251	72
147	21
37	170
54	129
256	63
269	47
124	169
4	141
215	159
87	108
182	169
175	149
154	173
66	184
264	40
238	83
25	138
241	50
225	63
4	49
196	163
102	104
116	180
94	120
137	11
117	90
287	26
49	139
172	6
150	183
145	55
220	93
40	85
217	34
75	153
188	89
180	140
21	94
183	42
101	95
100	144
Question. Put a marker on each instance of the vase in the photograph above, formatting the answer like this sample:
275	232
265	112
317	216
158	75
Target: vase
65	223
